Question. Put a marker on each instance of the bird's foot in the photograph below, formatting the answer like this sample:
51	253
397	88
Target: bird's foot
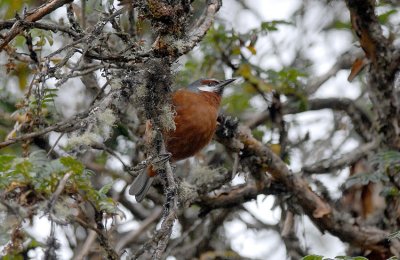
141	166
227	126
161	158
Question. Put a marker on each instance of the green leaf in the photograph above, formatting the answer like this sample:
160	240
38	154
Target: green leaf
387	158
383	18
13	257
6	162
19	41
364	179
340	25
252	49
313	257
394	235
389	192
273	25
236	50
72	164
43	37
24	168
258	134
34	243
291	75
106	188
38	157
50	96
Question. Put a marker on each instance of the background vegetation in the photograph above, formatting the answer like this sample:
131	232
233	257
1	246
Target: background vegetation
310	133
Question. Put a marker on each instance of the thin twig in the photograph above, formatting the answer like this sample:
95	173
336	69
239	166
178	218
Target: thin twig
56	194
86	246
144	225
198	32
55	144
66	125
32	16
330	165
103	238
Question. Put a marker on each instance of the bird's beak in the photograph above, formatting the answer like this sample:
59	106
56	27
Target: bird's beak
217	88
224	83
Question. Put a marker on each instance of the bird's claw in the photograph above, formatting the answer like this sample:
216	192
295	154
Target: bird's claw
141	166
162	158
159	160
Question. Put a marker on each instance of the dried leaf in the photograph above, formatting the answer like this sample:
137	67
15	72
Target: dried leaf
252	49
356	68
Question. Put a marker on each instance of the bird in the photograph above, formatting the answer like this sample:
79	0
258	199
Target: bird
195	119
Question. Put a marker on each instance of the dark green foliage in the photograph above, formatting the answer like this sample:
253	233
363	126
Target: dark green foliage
313	257
387	161
394	235
384	18
41	175
364	179
387	166
273	25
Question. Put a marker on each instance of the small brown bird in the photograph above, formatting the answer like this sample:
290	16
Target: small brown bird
196	120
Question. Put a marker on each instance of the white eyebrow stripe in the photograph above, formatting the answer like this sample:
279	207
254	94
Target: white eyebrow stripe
207	89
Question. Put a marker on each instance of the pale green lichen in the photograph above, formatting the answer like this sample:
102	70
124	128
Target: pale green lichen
102	123
141	91
207	179
179	44
202	174
116	84
87	138
187	193
107	117
167	118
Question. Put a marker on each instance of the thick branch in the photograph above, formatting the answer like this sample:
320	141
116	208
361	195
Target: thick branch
320	212
385	61
235	196
197	32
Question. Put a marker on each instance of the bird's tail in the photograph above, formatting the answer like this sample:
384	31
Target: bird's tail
141	184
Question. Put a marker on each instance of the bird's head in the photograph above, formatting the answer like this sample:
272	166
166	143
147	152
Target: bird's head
210	85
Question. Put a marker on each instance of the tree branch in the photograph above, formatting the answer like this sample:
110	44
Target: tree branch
39	25
324	216
344	62
32	16
131	236
330	165
103	238
199	30
235	196
361	120
385	60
